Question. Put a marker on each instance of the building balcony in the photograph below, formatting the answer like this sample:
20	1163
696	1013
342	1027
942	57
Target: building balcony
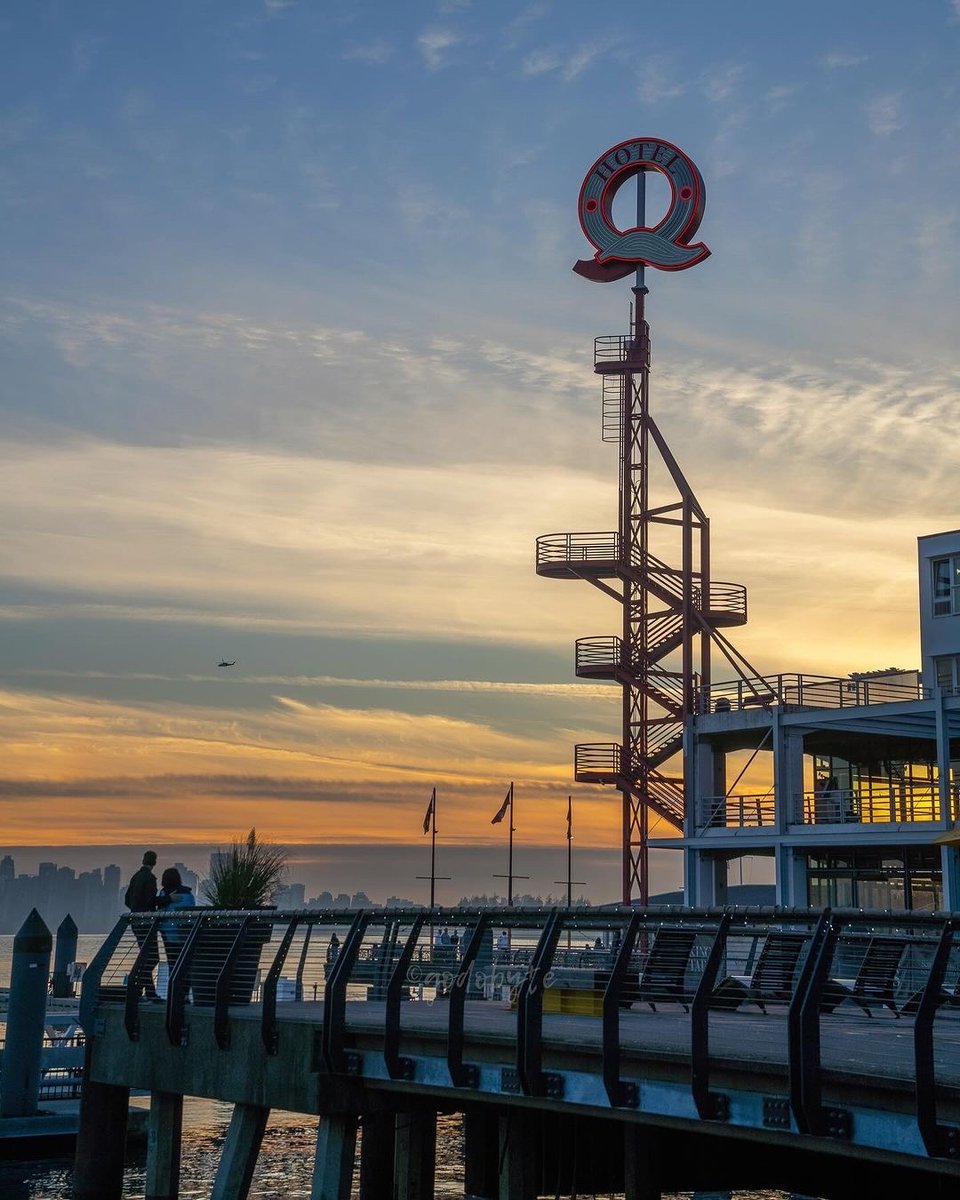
901	804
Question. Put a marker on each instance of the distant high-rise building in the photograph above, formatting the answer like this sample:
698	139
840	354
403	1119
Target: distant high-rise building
190	878
8	869
292	896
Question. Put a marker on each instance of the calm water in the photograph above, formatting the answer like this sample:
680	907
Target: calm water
285	1164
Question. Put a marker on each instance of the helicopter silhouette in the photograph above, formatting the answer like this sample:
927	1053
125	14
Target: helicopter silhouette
223	663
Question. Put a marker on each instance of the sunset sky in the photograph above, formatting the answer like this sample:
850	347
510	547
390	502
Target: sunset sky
295	370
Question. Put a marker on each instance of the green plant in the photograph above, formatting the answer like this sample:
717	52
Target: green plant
248	875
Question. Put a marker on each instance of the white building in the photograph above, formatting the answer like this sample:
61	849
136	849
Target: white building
851	785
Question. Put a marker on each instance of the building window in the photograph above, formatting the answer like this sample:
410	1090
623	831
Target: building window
909	880
946	586
948	672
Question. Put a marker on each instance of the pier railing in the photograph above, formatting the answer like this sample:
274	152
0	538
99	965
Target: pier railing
804	969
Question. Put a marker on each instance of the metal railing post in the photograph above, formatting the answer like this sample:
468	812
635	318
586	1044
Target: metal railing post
803	1027
399	1067
619	1093
711	1106
333	1035
463	1074
269	1033
940	1141
533	1080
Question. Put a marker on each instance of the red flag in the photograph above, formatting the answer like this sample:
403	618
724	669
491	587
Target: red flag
429	813
502	810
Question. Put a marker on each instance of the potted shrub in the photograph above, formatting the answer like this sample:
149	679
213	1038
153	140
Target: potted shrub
246	876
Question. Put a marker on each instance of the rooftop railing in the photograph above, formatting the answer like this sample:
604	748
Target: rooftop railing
809	691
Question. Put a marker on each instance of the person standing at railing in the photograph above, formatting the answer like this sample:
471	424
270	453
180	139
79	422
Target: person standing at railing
173	895
141	896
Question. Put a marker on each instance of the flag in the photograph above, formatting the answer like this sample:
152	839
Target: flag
569	818
429	813
502	810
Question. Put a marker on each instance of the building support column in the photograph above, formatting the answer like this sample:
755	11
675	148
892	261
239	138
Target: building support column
791	865
101	1138
787	773
164	1128
641	1174
705	878
481	1143
336	1151
377	1157
517	1155
240	1151
416	1154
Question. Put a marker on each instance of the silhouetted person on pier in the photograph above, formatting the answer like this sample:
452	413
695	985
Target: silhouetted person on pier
141	896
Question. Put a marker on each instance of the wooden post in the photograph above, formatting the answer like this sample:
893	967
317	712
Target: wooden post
336	1149
377	1132
481	1145
416	1154
240	1150
101	1138
640	1171
518	1156
163	1146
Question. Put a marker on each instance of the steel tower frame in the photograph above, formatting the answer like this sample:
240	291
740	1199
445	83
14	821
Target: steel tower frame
671	612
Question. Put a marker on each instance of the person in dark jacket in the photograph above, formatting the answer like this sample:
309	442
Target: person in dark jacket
141	896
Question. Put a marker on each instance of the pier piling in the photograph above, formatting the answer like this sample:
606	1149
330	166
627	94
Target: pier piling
336	1149
416	1154
23	1049
480	1149
164	1132
64	955
101	1138
240	1151
377	1154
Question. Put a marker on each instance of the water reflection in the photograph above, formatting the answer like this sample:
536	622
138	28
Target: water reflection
284	1169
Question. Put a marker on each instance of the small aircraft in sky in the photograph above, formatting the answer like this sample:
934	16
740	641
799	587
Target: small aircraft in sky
223	663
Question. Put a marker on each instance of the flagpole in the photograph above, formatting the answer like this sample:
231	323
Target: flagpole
510	855
505	808
570	879
569	851
432	815
433	847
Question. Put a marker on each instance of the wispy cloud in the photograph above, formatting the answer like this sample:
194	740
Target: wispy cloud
720	83
839	60
660	80
555	691
568	64
435	43
885	114
373	54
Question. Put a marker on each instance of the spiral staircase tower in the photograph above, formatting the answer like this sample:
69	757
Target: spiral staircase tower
672	610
